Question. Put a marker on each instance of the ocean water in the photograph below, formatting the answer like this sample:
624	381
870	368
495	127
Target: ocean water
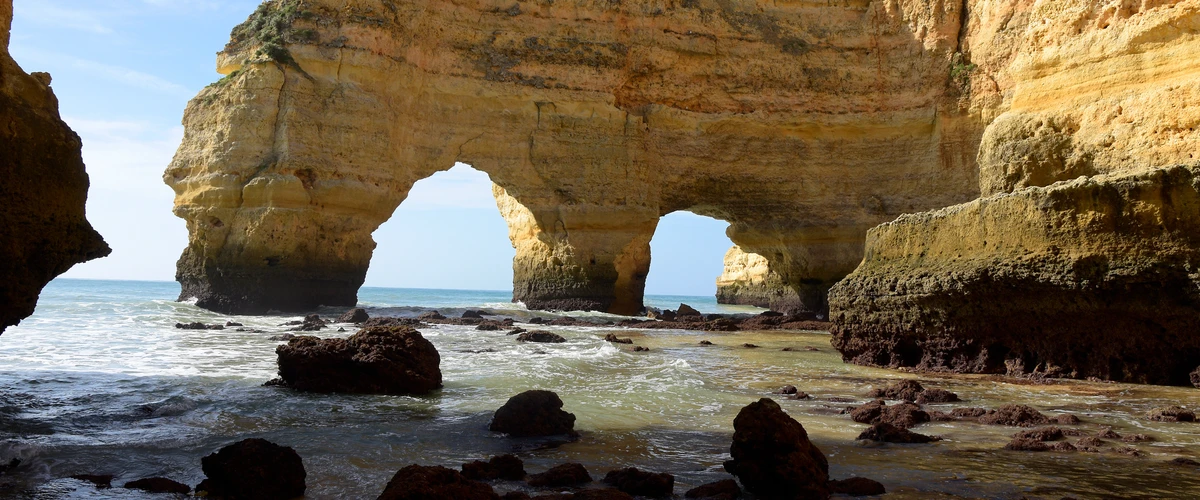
99	381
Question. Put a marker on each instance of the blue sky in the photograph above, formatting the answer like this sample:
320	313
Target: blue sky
124	70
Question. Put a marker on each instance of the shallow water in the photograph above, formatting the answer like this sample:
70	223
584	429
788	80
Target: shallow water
99	381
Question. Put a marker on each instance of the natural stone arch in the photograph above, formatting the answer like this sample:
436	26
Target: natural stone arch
802	126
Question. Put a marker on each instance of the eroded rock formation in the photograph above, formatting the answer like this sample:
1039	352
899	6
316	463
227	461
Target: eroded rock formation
802	124
1081	259
43	185
748	280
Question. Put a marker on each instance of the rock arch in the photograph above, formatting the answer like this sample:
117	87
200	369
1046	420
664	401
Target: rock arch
801	125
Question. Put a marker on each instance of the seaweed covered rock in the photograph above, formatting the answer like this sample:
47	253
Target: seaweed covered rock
253	469
773	457
533	413
376	360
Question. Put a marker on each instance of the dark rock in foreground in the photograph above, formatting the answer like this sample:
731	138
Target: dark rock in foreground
540	336
376	360
158	485
506	467
253	469
889	433
356	315
569	474
726	489
636	482
417	482
533	413
857	487
773	456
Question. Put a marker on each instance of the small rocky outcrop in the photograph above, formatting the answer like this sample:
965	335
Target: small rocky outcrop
253	469
417	482
889	433
772	455
430	315
640	483
857	487
311	323
569	474
196	325
469	314
158	485
390	321
506	467
356	315
541	336
376	360
1041	434
533	413
903	415
904	390
1171	414
929	396
688	313
725	489
43	185
1015	415
612	337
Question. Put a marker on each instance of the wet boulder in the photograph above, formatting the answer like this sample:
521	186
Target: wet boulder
253	469
417	482
637	482
889	433
725	489
158	485
469	314
391	321
376	360
857	487
1041	434
100	481
533	413
1171	414
311	323
1015	415
356	315
488	325
773	456
903	415
904	390
612	337
541	336
569	474
506	467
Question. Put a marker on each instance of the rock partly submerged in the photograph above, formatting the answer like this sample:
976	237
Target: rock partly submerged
533	413
253	469
376	360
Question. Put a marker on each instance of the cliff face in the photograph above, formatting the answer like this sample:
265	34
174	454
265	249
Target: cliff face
1094	276
43	231
748	280
802	124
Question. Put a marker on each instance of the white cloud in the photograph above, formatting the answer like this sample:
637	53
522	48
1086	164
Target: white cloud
127	156
36	58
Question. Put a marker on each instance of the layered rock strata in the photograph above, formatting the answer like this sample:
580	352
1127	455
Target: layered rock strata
1095	277
802	124
1081	258
748	280
43	185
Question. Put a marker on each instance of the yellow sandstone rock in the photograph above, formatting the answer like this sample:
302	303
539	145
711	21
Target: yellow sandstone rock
803	124
748	280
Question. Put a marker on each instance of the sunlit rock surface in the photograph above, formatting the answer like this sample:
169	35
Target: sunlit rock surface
43	188
802	124
747	279
1082	259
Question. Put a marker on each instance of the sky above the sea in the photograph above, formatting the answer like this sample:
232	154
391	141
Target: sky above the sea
123	72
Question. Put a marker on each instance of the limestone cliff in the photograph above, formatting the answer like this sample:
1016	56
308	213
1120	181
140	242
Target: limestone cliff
748	280
1093	276
43	231
803	124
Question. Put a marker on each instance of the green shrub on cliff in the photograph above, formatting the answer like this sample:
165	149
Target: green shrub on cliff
271	28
